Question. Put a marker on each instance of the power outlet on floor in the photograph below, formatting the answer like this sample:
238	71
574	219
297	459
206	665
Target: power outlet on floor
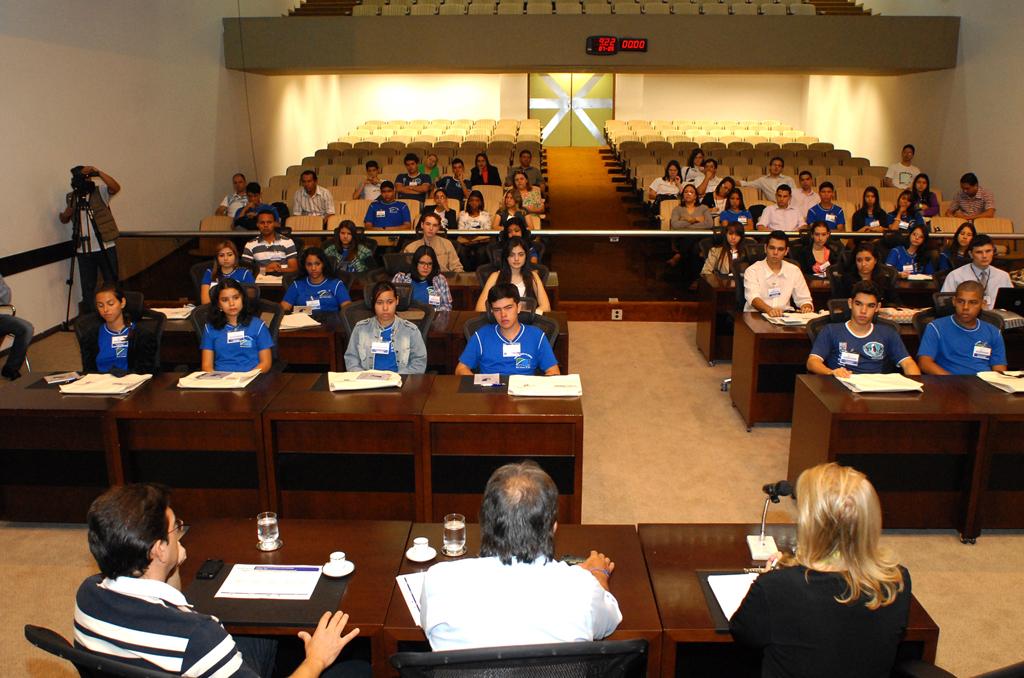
616	314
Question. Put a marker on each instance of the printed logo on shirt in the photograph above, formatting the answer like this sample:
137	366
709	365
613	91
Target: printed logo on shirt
523	361
874	350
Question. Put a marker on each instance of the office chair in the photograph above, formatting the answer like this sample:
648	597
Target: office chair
625	658
196	272
134	306
548	325
11	310
942	305
358	310
920	669
483	271
397	262
268	311
89	665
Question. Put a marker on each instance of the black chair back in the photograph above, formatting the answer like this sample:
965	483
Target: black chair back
196	273
398	262
269	312
89	665
484	271
619	658
548	325
356	311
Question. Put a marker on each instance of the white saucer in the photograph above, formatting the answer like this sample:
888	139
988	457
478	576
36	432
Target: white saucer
345	570
418	556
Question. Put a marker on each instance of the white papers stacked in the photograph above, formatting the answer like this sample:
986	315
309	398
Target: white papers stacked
357	381
919	276
411	586
899	314
219	379
1009	381
730	590
298	321
559	385
177	313
278	582
792	319
62	378
269	279
105	384
880	383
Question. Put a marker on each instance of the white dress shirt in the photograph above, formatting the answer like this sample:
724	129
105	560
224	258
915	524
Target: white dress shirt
768	184
478	602
775	289
320	204
782	219
992	278
803	202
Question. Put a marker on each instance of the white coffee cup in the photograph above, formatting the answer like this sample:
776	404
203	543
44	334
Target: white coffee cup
337	559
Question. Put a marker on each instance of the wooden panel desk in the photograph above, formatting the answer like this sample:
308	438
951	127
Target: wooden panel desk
767	359
353	454
470	431
439	342
691	645
375	547
629	583
561	347
206	444
714	316
53	451
921	451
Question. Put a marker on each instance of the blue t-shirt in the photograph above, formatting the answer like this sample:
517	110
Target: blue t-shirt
486	351
422	290
419	180
959	350
837	346
900	259
729	216
237	349
113	349
387	214
328	296
452	188
905	224
833	216
241	274
386	361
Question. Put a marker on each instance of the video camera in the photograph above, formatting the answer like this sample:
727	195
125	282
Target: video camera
80	182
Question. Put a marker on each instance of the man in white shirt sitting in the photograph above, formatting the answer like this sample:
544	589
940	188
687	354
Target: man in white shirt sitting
769	284
983	251
232	202
312	199
781	216
806	195
516	593
901	174
769	184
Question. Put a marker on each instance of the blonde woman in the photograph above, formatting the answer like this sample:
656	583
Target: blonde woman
839	606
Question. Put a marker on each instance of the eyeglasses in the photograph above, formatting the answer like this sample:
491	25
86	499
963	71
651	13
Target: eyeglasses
180	528
426	262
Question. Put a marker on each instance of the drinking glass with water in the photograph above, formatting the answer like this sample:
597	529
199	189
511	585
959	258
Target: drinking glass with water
454	537
268	532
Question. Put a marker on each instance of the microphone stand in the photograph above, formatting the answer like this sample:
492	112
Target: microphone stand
762	547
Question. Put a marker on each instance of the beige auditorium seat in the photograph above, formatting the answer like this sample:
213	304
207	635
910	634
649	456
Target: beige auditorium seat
685	8
802	9
773	9
665	212
356	210
305	223
946	224
208	246
596	7
394	10
568	7
275	189
538	8
627	7
744	8
365	10
481	8
510	7
423	9
714	8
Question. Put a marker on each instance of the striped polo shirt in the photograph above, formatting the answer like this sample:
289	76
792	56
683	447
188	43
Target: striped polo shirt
148	623
263	252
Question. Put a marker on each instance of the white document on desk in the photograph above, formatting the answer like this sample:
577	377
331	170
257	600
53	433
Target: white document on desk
730	590
893	382
176	313
298	321
793	319
105	384
275	582
1009	381
269	279
555	385
411	586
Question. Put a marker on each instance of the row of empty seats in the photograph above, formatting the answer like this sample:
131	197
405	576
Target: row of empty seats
575	7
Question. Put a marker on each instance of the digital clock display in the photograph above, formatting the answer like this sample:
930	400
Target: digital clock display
604	45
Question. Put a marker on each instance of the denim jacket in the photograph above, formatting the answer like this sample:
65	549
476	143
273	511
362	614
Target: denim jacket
410	351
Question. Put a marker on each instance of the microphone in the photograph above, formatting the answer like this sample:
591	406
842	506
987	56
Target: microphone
762	547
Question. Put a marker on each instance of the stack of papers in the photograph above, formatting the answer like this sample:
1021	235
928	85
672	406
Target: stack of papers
730	590
559	385
880	383
177	313
1009	381
793	319
919	276
219	379
269	279
298	321
105	384
277	582
357	381
898	314
411	586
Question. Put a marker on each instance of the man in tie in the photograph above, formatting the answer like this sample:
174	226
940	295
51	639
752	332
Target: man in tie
980	270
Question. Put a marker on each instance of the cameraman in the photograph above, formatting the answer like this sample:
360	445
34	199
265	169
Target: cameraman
96	249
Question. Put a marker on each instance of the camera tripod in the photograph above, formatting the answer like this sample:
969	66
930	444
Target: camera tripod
81	204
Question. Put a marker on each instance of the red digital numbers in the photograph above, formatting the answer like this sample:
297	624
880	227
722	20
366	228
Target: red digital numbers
633	45
605	44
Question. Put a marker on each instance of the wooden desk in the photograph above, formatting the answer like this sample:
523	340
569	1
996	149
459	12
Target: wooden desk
629	583
351	454
322	346
207	445
178	345
53	451
561	347
691	645
714	316
375	547
439	342
467	435
766	361
921	451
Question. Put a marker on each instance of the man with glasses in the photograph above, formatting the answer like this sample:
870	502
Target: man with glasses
769	284
134	611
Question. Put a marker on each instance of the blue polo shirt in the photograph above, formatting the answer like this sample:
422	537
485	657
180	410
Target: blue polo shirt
837	346
729	217
486	353
328	296
421	291
386	361
959	350
833	216
387	214
452	188
241	274
113	349
420	180
905	224
237	349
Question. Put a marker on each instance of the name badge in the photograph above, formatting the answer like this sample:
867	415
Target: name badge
510	351
236	336
904	225
120	346
742	220
848	359
380	347
774	292
734	254
824	265
313	304
433	298
830	217
381	214
908	268
982	352
872	222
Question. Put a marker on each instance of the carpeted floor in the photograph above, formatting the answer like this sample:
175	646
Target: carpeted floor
663	444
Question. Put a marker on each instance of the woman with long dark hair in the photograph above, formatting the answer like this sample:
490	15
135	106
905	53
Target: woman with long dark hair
867	265
517	270
921	195
958	252
224	266
234	340
346	252
870	218
428	284
112	341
